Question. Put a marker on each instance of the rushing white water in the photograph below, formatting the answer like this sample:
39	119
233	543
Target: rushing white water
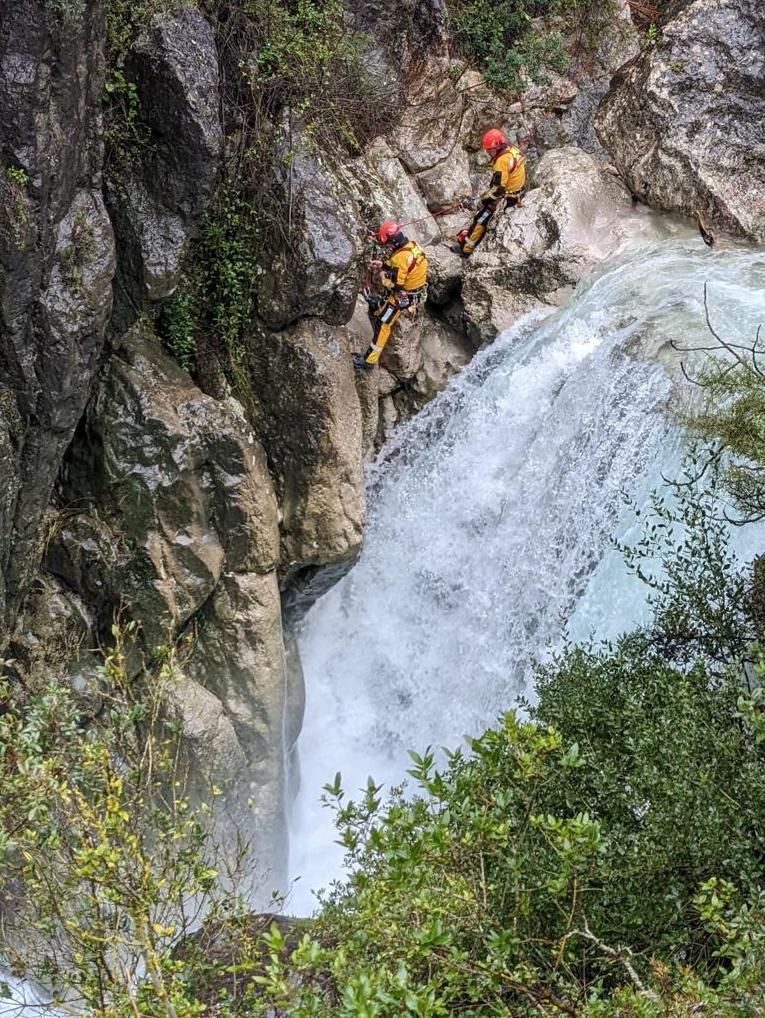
491	520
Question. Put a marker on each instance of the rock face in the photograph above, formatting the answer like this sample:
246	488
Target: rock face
56	264
161	186
685	121
319	273
307	415
575	216
563	112
182	531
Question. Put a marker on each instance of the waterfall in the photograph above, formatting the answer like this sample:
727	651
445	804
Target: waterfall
491	519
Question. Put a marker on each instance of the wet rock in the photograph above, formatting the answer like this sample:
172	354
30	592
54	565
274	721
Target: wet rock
685	121
231	700
56	263
158	193
442	353
575	216
306	413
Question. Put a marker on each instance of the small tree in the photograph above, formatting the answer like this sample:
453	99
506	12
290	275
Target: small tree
103	862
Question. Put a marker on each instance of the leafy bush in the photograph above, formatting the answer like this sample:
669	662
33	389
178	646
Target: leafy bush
102	859
502	39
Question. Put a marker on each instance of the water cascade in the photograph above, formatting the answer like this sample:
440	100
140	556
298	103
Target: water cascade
491	523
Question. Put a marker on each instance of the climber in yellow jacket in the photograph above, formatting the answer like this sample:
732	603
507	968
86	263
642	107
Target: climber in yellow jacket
506	187
403	278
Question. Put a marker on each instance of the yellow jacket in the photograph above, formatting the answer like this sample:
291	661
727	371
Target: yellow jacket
407	268
509	173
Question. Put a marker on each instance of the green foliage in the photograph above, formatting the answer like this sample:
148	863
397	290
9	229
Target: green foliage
105	856
503	40
17	175
124	134
733	414
298	56
218	294
13	189
698	592
65	12
177	325
125	19
511	881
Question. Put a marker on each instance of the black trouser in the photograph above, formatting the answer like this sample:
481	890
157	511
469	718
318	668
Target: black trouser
480	224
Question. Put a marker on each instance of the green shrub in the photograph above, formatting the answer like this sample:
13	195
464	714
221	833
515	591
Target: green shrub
177	325
502	40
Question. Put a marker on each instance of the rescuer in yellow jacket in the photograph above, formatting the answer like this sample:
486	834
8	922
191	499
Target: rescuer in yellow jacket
404	280
506	187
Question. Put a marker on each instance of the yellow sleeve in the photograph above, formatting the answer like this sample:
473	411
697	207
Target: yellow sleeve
396	269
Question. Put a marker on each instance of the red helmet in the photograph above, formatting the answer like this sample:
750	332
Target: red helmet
387	231
493	139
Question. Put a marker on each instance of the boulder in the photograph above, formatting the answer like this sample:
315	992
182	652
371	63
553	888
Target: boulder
402	356
306	412
443	353
316	268
184	493
448	180
685	122
574	216
160	187
56	264
404	202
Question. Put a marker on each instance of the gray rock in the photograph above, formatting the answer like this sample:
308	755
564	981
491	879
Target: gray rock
445	270
56	265
181	535
306	413
575	216
315	269
232	701
185	492
52	642
158	194
443	353
685	122
563	112
447	180
402	356
404	202
406	32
